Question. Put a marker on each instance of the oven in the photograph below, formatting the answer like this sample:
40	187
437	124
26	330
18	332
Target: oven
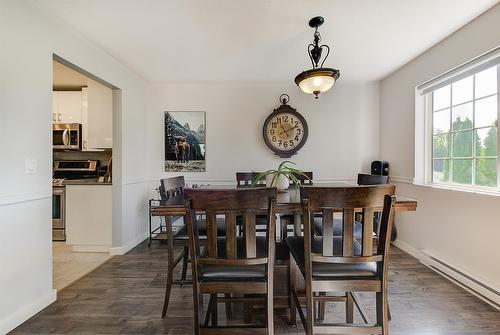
58	213
67	136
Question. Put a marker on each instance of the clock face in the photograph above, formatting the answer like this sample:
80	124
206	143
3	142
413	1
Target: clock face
285	132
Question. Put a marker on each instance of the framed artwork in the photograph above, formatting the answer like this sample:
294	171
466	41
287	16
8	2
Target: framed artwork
185	141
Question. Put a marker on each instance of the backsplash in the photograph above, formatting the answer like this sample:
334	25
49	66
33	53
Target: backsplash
102	156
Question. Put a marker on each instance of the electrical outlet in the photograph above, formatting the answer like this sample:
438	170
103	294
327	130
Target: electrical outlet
30	165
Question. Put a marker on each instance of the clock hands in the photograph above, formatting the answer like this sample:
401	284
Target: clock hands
286	131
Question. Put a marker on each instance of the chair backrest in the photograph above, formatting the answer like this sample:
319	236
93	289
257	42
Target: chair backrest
245	178
346	201
171	188
305	179
372	179
247	202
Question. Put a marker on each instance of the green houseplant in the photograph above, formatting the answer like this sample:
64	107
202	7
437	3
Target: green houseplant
281	177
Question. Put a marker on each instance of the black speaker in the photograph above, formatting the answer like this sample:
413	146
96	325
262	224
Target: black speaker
380	168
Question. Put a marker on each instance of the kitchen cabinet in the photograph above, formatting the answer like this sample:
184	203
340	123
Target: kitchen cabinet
97	116
67	107
89	217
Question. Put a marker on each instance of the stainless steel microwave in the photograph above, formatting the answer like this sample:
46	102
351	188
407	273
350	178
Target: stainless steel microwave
67	136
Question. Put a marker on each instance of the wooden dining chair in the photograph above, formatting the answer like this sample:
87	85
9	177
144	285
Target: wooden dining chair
230	264
172	192
342	264
245	179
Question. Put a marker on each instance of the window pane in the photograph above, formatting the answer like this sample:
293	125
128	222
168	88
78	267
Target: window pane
441	121
441	98
462	117
486	142
440	146
462	91
441	171
486	112
462	171
462	144
486	172
486	82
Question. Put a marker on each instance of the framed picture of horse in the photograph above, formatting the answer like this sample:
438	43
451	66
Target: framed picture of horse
185	141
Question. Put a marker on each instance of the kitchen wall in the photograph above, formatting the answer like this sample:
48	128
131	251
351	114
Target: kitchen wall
460	228
343	128
29	37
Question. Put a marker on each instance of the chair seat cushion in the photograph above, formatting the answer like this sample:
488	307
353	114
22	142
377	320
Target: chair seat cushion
221	273
182	233
325	271
281	249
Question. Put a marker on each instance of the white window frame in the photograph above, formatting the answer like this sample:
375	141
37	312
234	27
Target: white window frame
424	127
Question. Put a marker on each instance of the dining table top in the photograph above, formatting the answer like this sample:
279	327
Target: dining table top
287	201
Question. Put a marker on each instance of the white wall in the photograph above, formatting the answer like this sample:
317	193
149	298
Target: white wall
461	228
29	37
343	127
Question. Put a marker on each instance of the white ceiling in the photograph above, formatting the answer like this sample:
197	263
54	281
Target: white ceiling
64	78
193	41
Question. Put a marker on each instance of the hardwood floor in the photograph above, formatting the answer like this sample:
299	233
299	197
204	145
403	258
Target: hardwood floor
125	296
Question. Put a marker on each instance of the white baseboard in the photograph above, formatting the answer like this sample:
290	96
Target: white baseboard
478	287
90	248
116	251
27	311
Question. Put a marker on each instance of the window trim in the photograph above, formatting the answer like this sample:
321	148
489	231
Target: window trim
424	123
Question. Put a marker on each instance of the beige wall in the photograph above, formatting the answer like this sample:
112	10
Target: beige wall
461	228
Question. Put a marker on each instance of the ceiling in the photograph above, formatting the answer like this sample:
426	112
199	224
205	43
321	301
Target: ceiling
196	41
64	78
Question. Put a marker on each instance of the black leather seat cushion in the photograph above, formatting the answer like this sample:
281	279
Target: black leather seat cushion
330	271
182	233
281	250
337	228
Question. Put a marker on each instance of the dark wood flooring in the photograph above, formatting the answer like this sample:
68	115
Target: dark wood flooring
125	296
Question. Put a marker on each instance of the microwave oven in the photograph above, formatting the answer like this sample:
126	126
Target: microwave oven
67	136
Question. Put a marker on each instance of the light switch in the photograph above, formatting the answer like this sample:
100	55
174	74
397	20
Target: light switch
30	165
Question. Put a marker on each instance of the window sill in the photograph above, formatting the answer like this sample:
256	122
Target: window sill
455	188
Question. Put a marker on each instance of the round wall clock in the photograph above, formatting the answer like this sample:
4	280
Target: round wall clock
285	130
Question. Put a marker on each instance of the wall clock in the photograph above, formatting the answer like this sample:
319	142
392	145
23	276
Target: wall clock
285	130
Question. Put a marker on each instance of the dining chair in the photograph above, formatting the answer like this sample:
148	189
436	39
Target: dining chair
172	191
231	264
245	179
343	264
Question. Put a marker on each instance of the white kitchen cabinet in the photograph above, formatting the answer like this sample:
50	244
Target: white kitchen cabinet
67	107
89	217
97	116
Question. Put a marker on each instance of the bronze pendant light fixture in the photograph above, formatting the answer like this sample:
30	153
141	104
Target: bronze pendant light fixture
319	79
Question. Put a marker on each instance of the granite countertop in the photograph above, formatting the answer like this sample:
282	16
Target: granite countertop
87	181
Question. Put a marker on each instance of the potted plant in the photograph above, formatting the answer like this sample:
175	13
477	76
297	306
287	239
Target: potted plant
281	177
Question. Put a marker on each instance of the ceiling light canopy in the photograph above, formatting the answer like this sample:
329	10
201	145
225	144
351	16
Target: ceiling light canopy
318	79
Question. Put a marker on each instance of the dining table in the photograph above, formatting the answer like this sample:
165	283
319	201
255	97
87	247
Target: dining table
288	205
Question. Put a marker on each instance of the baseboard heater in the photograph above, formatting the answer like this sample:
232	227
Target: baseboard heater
483	291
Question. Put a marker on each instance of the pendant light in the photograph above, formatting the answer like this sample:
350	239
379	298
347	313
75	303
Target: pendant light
319	79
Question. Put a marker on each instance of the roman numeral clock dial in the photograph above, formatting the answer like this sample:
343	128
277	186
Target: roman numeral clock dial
285	130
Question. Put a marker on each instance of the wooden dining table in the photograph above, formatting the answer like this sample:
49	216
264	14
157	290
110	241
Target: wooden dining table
288	204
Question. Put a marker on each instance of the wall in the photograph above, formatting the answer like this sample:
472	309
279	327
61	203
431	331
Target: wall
29	37
235	114
460	228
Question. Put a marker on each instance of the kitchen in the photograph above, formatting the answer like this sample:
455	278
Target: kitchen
82	121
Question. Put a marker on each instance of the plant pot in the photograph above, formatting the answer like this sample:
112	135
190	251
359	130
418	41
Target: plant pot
281	182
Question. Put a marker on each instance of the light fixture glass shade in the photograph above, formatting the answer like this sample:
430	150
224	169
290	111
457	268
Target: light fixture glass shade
316	81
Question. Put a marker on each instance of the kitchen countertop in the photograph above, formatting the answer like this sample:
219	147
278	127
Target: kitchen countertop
88	181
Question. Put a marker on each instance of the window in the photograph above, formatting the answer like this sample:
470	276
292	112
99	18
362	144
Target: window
462	113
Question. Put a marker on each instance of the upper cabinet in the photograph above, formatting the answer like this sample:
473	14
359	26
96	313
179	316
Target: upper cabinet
67	107
97	116
93	108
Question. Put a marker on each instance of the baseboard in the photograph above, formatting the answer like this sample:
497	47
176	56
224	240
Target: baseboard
478	287
27	311
90	248
116	251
